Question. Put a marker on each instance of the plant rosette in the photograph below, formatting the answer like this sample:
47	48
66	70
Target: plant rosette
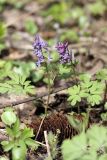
8	117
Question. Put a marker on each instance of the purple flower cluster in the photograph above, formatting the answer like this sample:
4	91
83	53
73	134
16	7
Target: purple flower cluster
64	53
62	48
39	45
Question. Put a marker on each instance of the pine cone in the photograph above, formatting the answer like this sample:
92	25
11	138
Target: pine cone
53	123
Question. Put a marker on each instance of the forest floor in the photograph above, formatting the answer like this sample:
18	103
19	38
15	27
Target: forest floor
87	39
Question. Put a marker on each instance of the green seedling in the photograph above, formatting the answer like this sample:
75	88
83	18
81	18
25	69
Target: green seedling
19	139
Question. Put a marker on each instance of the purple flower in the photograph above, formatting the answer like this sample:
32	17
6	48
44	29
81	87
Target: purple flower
64	53
39	46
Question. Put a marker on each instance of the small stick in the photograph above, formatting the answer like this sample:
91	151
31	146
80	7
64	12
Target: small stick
47	144
40	127
42	144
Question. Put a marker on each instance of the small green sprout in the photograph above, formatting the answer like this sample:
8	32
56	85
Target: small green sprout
19	139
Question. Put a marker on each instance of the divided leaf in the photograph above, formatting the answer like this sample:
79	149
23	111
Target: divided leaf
75	148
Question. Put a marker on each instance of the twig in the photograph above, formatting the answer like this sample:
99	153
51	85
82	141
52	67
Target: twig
25	100
42	144
40	127
47	144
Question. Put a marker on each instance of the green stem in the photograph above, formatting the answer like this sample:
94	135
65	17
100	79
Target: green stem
75	73
88	115
78	108
105	93
49	91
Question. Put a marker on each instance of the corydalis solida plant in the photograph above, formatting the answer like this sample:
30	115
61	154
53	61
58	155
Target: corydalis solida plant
39	47
64	53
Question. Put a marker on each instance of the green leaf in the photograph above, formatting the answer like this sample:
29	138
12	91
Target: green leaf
3	90
7	145
96	88
23	79
9	109
16	128
31	143
47	81
4	87
15	78
26	84
4	143
75	123
8	117
77	12
63	69
55	56
2	46
97	8
18	153
89	156
27	133
86	85
105	105
104	116
75	94
29	89
31	27
75	148
17	85
38	75
9	132
58	11
103	157
3	30
97	136
74	90
102	74
85	77
70	35
94	99
83	22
